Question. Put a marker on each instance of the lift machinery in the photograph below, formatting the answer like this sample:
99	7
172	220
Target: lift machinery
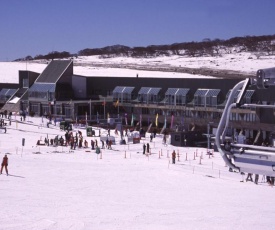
243	157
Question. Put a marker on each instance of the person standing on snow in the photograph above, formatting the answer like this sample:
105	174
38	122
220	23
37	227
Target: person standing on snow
5	164
102	142
148	148
151	137
173	157
92	144
144	148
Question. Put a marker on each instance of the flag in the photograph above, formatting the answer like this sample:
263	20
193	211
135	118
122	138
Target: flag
157	117
117	103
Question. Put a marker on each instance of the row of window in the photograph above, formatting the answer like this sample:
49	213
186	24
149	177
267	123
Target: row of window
175	96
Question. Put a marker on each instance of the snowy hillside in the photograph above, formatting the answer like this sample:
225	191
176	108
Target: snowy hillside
240	64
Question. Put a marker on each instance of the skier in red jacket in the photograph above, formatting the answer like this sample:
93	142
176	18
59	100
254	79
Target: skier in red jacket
5	164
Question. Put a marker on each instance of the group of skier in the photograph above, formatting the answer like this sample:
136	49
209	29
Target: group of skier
77	141
269	180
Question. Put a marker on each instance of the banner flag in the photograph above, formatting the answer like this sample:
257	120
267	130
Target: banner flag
157	116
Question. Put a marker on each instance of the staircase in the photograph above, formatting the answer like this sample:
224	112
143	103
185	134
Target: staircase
11	107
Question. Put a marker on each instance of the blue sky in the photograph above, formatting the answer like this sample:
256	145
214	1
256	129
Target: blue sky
32	27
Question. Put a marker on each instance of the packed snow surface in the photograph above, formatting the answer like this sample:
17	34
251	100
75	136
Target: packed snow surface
59	188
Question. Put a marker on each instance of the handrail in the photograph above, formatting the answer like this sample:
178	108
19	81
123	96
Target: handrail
220	134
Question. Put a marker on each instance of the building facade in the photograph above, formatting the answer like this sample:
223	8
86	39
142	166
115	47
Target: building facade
171	103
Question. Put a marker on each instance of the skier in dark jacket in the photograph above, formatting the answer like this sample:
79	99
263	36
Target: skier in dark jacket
92	144
148	148
144	148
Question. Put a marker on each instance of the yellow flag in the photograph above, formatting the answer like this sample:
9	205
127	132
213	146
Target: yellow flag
117	102
157	116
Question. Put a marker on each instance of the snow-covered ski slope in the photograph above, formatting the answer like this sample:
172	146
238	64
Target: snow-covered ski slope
56	188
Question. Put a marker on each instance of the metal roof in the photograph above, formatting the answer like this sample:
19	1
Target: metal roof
53	71
118	89
144	90
148	90
177	91
248	94
128	90
7	92
213	92
123	90
43	87
154	91
201	92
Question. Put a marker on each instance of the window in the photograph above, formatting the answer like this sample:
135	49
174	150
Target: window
25	83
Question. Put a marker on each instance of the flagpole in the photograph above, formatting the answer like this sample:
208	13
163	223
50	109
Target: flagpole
90	109
104	107
118	110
